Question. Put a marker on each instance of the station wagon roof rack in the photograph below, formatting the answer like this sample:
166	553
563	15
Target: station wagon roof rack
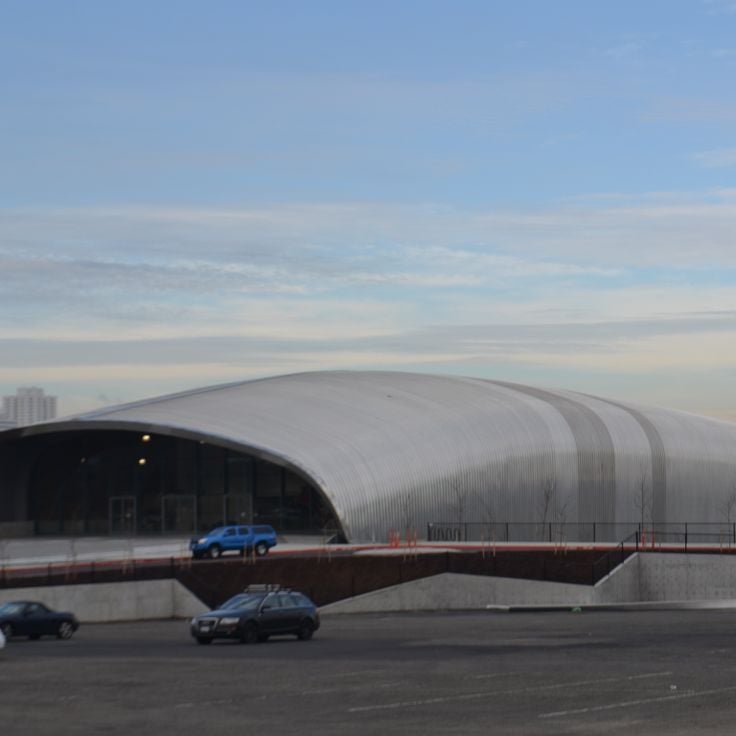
264	588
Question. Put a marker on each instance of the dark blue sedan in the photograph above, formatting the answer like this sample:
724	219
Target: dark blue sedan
34	620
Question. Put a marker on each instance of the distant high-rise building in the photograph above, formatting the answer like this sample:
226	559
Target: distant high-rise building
28	406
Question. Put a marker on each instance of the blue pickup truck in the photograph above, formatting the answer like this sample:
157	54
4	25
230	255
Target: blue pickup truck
236	538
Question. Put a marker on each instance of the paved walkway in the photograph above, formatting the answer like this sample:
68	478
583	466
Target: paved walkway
33	551
27	552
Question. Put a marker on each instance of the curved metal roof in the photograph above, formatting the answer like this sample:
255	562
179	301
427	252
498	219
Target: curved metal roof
392	449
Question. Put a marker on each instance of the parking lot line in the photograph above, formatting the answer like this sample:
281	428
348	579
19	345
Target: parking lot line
494	693
643	701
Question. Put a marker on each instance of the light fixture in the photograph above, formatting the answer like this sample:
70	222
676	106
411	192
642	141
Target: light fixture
142	461
146	438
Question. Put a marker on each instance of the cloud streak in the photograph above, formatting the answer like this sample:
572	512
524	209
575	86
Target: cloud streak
201	295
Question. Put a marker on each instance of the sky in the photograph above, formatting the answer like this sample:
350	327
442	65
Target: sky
198	192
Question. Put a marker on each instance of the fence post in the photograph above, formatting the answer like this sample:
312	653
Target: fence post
637	539
507	531
429	532
594	533
466	531
685	536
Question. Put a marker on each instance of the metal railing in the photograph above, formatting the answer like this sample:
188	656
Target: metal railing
682	534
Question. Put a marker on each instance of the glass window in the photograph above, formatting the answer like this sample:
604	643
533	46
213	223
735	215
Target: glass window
242	602
285	600
273	601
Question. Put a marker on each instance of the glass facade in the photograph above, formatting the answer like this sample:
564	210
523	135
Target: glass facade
124	483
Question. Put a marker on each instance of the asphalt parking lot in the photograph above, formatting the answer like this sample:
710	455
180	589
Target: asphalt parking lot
526	673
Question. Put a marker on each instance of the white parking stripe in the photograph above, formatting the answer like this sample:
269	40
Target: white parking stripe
492	693
643	701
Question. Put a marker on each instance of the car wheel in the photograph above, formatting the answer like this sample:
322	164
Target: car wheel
204	639
64	630
261	549
7	631
305	630
250	634
214	551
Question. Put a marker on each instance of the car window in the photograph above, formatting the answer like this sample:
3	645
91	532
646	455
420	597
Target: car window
33	609
11	609
272	601
229	532
298	599
243	530
242	602
285	600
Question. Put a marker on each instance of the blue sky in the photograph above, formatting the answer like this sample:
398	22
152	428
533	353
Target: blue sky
199	192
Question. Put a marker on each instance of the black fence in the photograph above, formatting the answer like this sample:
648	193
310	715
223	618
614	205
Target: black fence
683	534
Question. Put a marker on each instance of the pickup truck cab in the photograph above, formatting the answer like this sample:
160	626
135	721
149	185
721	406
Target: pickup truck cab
240	538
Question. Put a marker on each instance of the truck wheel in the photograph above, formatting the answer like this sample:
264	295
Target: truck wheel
214	551
261	549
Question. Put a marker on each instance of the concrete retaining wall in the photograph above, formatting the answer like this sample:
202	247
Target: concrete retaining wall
643	578
133	601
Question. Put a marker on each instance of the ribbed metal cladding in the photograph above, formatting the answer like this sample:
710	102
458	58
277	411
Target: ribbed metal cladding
391	450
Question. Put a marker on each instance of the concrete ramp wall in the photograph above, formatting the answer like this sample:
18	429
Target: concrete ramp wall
643	578
104	602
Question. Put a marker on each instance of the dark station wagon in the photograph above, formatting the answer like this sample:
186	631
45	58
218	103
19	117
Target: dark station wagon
258	613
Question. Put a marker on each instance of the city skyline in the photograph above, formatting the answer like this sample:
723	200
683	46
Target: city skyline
200	193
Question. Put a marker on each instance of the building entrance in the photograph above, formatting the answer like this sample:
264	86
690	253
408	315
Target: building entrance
123	515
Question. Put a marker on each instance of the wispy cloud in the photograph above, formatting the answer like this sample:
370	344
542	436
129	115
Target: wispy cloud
202	295
720	158
720	7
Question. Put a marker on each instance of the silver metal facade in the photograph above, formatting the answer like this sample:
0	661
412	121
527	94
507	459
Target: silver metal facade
396	450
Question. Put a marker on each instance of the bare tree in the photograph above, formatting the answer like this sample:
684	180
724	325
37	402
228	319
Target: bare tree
727	509
552	509
643	501
408	519
489	513
547	503
407	510
458	504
